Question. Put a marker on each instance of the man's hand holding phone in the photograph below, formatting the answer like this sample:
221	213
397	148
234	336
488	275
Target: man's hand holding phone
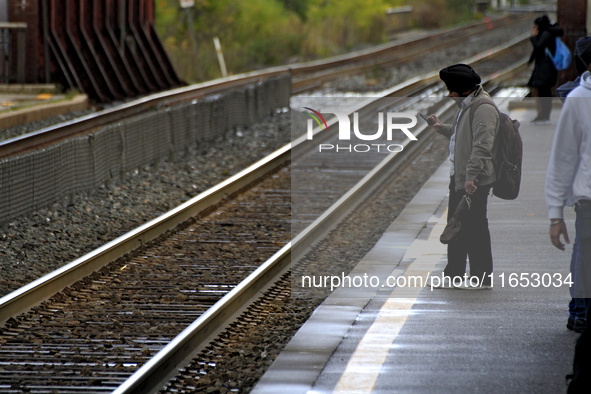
433	121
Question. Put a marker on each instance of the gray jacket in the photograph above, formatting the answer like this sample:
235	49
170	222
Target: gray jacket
472	155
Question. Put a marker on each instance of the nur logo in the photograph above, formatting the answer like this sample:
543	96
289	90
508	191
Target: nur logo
316	119
392	124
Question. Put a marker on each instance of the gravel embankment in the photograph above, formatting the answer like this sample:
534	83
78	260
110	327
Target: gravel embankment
15	131
380	78
36	245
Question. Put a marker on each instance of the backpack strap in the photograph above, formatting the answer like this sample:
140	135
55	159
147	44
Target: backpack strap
478	103
473	108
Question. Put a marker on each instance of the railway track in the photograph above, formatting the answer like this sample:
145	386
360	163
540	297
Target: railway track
312	75
103	327
305	76
115	315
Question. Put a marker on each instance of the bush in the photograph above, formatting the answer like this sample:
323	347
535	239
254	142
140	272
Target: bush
344	24
261	33
429	15
433	14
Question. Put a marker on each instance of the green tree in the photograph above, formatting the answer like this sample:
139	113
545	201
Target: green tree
261	33
300	7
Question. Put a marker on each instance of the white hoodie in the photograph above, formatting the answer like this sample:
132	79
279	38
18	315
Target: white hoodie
569	171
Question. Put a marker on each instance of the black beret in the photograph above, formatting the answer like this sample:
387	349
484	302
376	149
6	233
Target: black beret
459	78
583	47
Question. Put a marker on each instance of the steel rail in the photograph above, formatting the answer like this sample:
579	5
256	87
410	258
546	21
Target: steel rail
378	56
385	49
89	123
43	288
204	329
194	338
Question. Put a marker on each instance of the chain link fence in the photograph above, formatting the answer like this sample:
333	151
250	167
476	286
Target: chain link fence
40	178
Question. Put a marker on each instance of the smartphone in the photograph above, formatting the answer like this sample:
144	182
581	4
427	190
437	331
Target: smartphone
426	119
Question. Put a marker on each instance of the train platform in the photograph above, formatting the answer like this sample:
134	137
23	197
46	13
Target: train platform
510	339
20	104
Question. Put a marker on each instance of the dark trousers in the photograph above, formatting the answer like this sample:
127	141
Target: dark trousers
577	307
582	293
545	97
582	266
473	240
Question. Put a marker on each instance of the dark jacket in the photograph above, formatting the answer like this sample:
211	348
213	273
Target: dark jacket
566	88
544	75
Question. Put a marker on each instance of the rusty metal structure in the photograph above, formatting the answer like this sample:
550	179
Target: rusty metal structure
572	16
12	69
107	49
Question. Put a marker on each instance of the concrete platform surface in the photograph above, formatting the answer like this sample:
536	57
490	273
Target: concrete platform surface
28	106
511	339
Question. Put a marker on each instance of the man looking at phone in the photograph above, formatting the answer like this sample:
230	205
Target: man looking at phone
472	172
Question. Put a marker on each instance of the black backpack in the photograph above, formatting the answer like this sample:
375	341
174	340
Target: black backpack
509	153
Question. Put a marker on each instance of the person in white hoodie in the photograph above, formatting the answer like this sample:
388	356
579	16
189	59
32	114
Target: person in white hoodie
568	180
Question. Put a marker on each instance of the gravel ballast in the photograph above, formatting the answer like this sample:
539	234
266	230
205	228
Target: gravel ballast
33	246
18	130
241	354
46	240
379	78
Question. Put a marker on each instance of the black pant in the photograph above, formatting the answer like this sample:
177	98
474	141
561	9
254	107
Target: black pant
545	97
473	240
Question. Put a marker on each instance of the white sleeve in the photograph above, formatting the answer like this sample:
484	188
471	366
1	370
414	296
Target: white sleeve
564	158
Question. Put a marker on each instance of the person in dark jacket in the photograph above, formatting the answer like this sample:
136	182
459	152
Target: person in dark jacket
544	77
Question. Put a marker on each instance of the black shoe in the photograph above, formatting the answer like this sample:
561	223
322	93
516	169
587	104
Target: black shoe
540	121
580	325
570	323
